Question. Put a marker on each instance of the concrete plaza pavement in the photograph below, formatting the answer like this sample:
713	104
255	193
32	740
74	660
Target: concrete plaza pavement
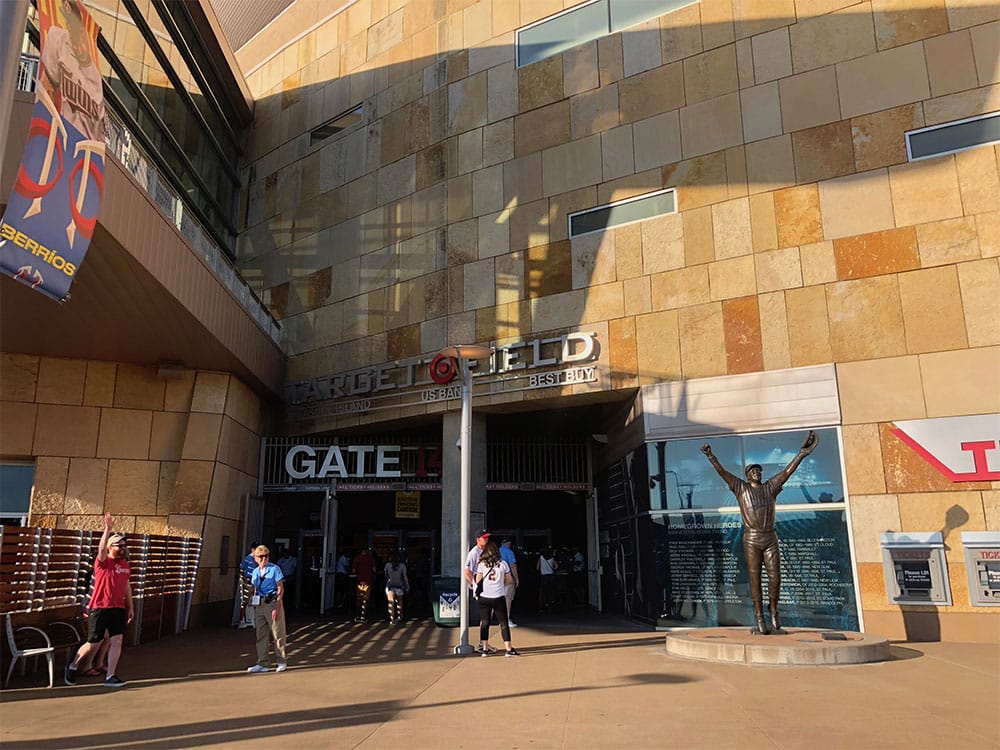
583	682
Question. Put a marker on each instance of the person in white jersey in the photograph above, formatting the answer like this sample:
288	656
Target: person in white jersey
492	577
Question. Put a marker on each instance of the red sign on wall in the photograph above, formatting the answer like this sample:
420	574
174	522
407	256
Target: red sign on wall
964	449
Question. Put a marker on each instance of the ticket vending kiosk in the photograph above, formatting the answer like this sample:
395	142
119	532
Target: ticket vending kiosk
982	562
916	571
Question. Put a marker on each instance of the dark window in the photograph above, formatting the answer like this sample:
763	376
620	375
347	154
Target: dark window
953	136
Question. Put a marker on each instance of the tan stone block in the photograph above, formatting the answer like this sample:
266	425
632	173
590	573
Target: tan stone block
832	38
617	154
699	182
622	354
809	99
210	391
962	382
17	428
770	165
194	482
732	278
60	381
467	103
880	390
124	434
662	243
18	377
100	386
609	58
638	296
876	254
732	234
797	215
593	259
978	101
742	331
681	288
932	310
558	310
560	206
871	589
744	63
856	204
167	483
132	487
641	47
871	515
594	111
699	242
761	111
48	493
935	510
808	326
540	83
717	23
470	152
85	486
778	269
925	191
980	286
548	269
986	50
882	80
634	100
572	166
167	436
978	180
823	152
479	290
498	142
905	469
580	69
736	172
138	388
603	302
863	461
656	141
711	125
991	509
494	235
774	331
988	230
772	56
965	13
529	224
488	190
628	251
879	139
66	431
658	346
703	343
865	319
951	66
680	33
201	440
946	242
710	74
898	22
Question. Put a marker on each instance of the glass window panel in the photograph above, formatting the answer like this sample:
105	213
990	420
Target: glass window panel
958	137
550	37
689	478
818	478
626	212
16	481
625	13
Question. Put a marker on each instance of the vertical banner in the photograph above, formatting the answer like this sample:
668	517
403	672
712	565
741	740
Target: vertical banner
53	210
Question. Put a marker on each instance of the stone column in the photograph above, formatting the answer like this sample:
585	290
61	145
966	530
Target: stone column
13	17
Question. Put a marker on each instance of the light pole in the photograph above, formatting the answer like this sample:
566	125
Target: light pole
463	354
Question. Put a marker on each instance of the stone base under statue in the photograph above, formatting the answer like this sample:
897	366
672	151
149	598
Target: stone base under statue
806	646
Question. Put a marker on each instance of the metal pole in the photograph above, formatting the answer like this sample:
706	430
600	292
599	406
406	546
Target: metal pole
465	444
13	17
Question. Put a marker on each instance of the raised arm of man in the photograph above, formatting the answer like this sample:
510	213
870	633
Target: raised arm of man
102	548
808	446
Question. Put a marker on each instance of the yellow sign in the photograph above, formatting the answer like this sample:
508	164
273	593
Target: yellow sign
407	505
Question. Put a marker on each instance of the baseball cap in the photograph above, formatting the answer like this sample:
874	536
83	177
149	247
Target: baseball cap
116	538
482	533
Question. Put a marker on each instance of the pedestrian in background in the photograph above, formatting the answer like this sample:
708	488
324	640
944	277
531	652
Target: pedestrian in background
547	567
492	577
396	586
508	556
269	615
364	568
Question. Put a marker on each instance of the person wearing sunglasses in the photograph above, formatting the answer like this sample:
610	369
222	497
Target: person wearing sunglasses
111	604
269	615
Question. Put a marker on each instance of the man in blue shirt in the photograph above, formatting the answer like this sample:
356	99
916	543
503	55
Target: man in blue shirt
508	556
269	616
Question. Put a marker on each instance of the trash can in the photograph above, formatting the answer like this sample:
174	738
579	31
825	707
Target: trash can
447	600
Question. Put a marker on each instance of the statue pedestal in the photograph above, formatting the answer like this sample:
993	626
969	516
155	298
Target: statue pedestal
805	646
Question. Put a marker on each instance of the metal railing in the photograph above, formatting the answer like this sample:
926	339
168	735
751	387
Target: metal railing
27	73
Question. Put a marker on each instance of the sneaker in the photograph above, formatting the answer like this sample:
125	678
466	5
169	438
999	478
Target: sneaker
489	649
281	667
257	668
512	652
113	681
484	654
70	675
511	624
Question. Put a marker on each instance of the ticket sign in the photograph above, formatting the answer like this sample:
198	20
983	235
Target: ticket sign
407	504
916	571
982	563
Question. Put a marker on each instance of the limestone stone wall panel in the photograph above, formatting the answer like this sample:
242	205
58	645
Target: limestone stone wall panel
662	243
772	55
699	182
760	107
736	172
863	461
774	331
635	103
871	515
138	387
731	229
871	588
743	335
166	486
487	190
594	111
980	283
680	33
99	389
711	125
656	141
876	254
819	264
680	288
201	440
991	509
856	204
210	391
522	180
932	310
540	83
529	224
961	382
558	310
717	26
603	302
925	191
986	50
638	296
641	48
809	99
572	166
778	269
193	485
879	139
824	40
124	433
593	258
866	321
86	485
580	69
952	512
60	381
735	277
710	74
823	152
744	63
548	269
609	59
66	431
770	165
699	240
965	13
808	326
480	290
881	390
48	494
617	152
901	22
658	345
628	251
623	355
951	65
132	487
703	341
17	428
797	215
882	80
978	180
18	377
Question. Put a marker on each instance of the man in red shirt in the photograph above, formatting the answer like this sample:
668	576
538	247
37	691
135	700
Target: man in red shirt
364	569
111	606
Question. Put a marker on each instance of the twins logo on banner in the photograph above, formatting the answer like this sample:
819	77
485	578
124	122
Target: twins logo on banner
964	449
50	219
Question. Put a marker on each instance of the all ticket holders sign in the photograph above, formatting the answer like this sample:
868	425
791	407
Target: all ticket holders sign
52	212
